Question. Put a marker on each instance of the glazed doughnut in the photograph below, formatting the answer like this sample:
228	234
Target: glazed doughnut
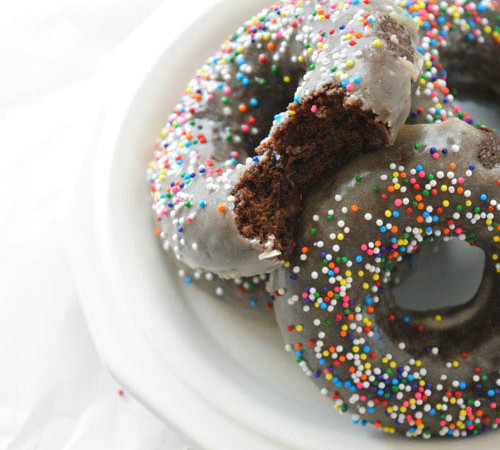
420	373
346	72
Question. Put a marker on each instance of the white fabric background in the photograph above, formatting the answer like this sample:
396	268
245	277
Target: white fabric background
54	392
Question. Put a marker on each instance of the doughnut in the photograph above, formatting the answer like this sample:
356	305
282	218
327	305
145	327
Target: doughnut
430	373
296	90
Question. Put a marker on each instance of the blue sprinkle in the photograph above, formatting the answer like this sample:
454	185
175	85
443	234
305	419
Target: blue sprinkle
202	203
254	102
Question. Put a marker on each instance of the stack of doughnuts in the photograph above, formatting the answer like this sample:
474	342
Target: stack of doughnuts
306	164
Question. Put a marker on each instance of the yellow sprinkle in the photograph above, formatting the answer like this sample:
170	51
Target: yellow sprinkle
340	237
446	203
455	364
286	79
438	318
376	43
349	63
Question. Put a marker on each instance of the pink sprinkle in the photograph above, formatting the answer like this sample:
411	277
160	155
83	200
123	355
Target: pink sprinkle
435	155
210	97
189	219
421	174
245	128
460	180
398	202
458	231
314	108
227	90
234	154
279	34
175	189
349	87
364	247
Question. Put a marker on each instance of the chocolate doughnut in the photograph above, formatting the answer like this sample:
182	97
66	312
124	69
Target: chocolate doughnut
419	373
346	70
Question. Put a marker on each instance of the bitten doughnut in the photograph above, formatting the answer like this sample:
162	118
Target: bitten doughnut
346	70
420	373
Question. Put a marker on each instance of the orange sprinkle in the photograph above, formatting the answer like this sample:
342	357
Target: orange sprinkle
157	231
453	166
305	249
270	46
354	208
221	208
460	190
242	107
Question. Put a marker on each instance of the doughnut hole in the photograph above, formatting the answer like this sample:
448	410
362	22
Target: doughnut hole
449	276
482	102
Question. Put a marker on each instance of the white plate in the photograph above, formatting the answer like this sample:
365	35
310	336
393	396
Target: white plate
218	376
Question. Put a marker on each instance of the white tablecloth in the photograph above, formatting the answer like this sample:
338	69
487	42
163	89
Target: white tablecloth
54	392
